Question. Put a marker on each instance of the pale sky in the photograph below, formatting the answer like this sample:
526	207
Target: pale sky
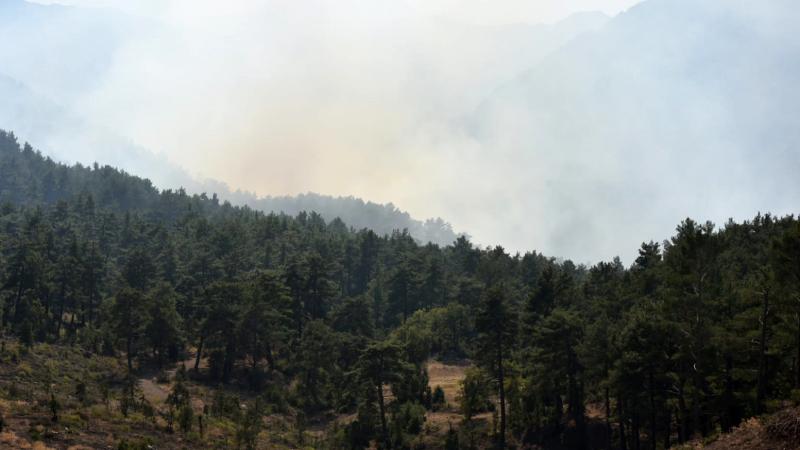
486	12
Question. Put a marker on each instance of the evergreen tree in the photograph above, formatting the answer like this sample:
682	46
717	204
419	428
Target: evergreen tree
380	364
130	316
496	325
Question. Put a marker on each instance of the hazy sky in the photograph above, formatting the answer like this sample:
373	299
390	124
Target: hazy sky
342	97
485	12
369	98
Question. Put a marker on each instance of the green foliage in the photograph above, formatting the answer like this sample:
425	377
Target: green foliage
55	407
317	364
354	316
249	426
412	386
497	327
139	444
451	439
179	395
129	317
164	329
407	421
224	404
474	393
81	392
438	400
314	317
186	418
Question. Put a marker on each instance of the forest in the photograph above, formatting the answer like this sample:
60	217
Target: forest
329	330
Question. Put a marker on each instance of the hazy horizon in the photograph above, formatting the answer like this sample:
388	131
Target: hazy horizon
407	103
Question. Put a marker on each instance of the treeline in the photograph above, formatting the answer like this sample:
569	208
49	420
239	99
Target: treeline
315	318
355	212
695	336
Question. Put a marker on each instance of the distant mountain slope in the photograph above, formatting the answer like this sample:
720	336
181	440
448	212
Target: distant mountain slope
490	54
62	52
37	105
698	94
59	57
67	137
355	212
28	177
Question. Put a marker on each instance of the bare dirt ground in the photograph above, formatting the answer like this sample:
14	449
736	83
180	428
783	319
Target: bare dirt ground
153	392
779	431
156	393
448	376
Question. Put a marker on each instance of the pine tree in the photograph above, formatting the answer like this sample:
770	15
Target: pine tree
130	316
497	328
380	364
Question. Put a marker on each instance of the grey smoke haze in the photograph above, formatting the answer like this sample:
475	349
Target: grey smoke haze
676	108
579	139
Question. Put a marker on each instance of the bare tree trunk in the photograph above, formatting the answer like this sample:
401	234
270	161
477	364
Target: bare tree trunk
608	417
797	362
62	296
270	357
683	423
728	419
128	350
18	298
91	299
384	428
652	410
199	353
696	425
501	380
623	442
762	355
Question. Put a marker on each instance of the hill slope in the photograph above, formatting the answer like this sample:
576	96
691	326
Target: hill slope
697	93
83	47
779	431
20	174
307	322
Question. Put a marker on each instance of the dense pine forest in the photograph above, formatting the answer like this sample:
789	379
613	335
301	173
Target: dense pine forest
272	331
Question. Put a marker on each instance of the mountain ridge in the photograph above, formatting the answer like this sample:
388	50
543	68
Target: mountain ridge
70	181
665	89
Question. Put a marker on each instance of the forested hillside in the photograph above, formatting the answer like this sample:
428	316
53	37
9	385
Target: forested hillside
357	213
294	331
64	183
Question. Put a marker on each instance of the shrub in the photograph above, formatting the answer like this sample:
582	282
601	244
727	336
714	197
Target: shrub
274	398
410	417
24	370
81	392
785	425
451	440
795	396
185	418
144	444
224	405
407	422
249	427
14	391
474	397
437	398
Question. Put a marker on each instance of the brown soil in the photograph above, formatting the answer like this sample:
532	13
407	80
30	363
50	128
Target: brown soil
781	431
448	376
